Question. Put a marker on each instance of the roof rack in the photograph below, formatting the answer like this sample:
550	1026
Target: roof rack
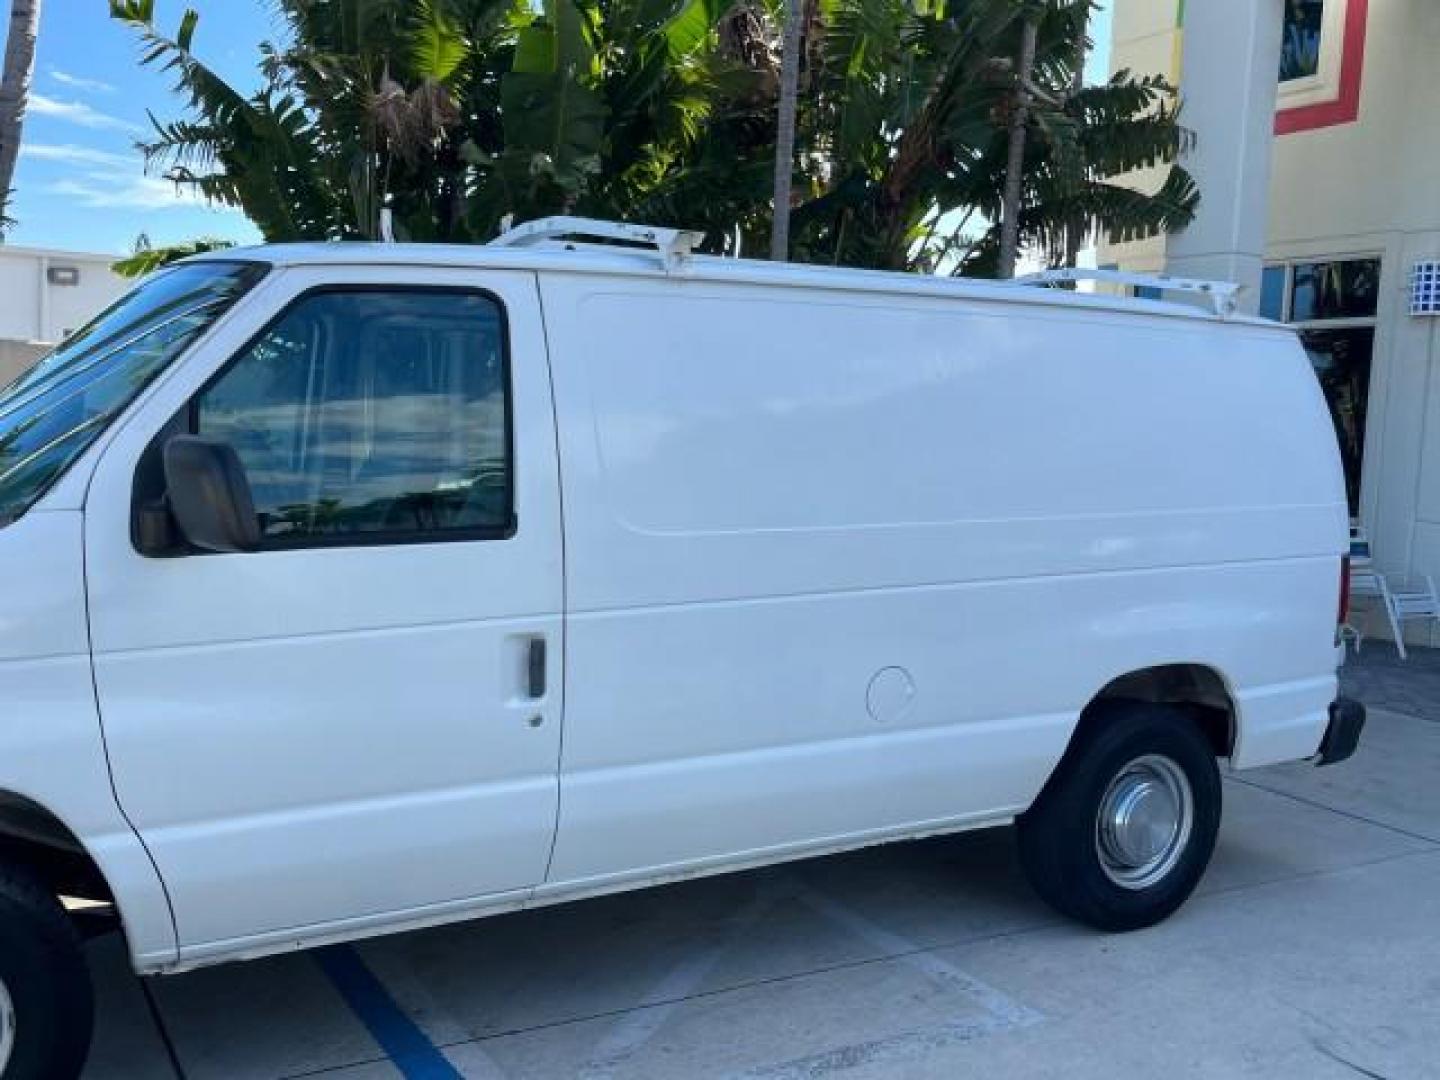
1223	295
673	245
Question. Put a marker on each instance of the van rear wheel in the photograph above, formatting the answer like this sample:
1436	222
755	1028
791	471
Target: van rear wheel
46	1002
1123	831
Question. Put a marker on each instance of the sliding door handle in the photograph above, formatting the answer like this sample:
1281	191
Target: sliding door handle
535	668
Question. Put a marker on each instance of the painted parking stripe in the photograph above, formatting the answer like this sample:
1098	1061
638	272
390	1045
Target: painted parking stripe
1006	1010
404	1043
638	1025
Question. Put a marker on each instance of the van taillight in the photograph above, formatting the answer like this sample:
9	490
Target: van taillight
1344	591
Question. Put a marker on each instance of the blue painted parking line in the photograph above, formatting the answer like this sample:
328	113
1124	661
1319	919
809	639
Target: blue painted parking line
400	1037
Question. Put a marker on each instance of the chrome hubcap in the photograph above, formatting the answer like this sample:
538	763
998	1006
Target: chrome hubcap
7	1027
1145	819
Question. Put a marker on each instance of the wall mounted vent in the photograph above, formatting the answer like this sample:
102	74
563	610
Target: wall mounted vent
1425	288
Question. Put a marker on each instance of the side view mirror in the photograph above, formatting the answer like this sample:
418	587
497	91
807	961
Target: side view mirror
210	495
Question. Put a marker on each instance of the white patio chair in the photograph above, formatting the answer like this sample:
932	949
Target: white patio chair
1368	584
1413	600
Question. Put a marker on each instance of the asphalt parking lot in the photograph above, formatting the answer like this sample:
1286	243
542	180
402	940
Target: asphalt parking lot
1312	950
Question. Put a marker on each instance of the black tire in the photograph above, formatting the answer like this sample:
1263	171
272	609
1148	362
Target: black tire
1060	846
44	974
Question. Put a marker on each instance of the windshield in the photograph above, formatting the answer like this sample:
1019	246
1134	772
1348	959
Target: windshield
52	413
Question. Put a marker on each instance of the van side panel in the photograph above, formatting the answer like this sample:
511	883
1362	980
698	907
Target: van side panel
845	563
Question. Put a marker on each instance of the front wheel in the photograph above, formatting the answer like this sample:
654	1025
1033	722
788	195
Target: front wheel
1123	831
46	1005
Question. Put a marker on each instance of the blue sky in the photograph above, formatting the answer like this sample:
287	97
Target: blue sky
80	184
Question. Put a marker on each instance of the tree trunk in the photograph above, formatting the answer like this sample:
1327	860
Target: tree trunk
785	129
15	88
1076	232
1015	163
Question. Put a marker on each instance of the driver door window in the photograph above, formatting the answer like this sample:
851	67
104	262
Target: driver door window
372	416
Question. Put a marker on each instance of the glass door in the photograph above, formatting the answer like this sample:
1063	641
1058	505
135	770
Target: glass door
1334	304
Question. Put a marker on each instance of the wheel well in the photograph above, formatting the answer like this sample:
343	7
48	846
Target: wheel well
1198	688
33	836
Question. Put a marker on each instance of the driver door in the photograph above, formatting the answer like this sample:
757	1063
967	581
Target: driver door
360	720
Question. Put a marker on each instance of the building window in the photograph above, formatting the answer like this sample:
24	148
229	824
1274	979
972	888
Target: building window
1300	44
1342	361
1272	292
1334	290
1334	304
1322	64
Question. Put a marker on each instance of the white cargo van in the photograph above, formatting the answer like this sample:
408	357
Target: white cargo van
347	589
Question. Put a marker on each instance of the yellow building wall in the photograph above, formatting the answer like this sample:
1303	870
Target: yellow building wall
1371	187
1146	39
1380	174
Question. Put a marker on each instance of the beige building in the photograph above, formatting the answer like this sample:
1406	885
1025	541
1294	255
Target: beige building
1318	156
44	295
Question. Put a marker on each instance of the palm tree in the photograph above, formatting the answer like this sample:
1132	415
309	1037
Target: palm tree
332	132
909	132
454	114
786	109
1077	83
450	113
1015	149
15	90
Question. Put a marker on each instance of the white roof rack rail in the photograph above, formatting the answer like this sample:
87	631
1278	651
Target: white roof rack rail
673	245
1223	295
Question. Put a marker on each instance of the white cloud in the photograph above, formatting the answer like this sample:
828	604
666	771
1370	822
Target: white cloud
103	191
77	112
99	179
70	154
76	82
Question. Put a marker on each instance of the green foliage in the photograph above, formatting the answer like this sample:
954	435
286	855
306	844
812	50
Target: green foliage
452	113
437	44
553	115
262	153
910	107
146	259
457	113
